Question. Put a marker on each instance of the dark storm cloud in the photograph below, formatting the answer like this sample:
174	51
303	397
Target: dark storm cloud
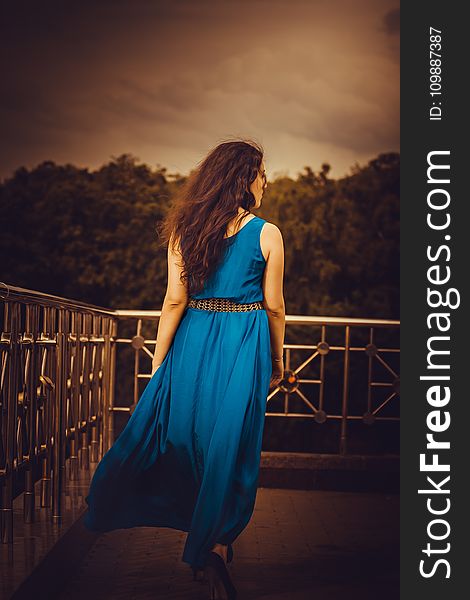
312	81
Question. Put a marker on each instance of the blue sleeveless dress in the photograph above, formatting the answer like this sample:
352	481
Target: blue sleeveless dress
189	455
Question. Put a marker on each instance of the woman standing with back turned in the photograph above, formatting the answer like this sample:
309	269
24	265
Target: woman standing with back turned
189	455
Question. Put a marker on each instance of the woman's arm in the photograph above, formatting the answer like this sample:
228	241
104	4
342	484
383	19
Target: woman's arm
272	246
174	304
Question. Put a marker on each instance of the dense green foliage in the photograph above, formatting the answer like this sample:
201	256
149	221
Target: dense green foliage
90	235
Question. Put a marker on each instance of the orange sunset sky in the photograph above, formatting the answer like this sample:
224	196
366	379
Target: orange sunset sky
312	81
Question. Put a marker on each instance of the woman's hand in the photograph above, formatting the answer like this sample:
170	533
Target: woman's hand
277	373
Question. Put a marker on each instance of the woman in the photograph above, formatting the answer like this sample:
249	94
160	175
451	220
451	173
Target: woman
189	455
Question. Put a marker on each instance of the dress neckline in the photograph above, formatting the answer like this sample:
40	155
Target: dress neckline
241	229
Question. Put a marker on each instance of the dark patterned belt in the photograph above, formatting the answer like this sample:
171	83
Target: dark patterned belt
223	305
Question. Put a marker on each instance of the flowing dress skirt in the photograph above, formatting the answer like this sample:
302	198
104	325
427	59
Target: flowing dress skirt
189	455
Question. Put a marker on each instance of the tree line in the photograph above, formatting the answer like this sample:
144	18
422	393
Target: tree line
90	234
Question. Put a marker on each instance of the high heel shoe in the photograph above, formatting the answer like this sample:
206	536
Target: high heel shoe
198	574
217	575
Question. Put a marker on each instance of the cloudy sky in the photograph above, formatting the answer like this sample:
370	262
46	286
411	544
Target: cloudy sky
311	80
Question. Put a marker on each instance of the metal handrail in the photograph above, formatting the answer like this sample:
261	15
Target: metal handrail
11	292
290	319
293	386
56	389
57	386
19	294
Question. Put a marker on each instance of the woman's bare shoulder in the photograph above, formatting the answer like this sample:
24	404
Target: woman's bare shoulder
271	231
271	239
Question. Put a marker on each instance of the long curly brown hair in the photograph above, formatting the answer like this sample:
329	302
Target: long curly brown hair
197	221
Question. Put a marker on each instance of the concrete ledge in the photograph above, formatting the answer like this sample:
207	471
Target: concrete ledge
330	472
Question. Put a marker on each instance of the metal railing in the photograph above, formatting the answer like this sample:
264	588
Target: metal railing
294	385
57	386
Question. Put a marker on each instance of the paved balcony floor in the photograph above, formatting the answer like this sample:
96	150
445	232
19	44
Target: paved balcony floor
320	545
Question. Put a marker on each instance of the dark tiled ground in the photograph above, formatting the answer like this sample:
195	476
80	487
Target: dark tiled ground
33	541
299	545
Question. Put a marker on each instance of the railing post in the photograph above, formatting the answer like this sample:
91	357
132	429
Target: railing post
344	406
48	341
112	381
137	344
95	391
10	339
58	467
30	399
74	395
84	452
107	416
